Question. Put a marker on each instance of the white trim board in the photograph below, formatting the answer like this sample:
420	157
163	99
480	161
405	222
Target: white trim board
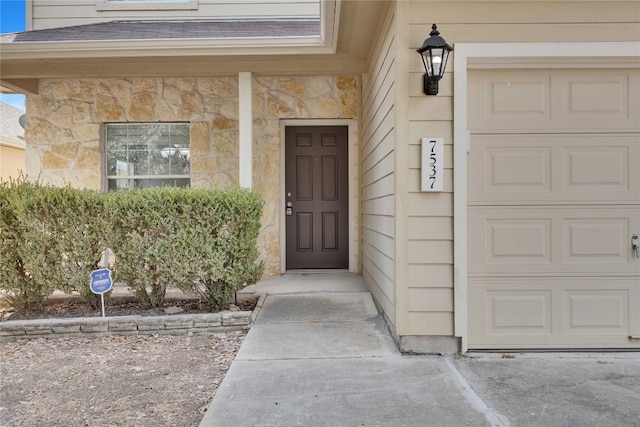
507	55
245	119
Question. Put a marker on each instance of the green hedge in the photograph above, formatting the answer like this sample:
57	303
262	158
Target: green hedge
199	240
50	238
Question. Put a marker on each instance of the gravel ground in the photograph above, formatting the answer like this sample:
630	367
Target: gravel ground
112	381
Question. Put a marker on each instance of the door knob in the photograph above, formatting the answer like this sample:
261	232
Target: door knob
289	210
635	245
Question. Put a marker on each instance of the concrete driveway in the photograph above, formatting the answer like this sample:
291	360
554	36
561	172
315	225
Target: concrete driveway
557	389
319	354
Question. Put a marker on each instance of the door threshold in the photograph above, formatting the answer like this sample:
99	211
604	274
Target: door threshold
317	271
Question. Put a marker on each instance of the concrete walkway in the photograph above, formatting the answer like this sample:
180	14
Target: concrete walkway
319	354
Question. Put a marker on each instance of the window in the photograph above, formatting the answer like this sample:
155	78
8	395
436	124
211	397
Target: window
146	4
147	155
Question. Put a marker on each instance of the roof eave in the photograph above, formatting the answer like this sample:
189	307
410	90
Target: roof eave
324	43
166	47
11	142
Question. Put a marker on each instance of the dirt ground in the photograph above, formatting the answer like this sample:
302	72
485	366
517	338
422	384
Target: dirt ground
157	380
112	381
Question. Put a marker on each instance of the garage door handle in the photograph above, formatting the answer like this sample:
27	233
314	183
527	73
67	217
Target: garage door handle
635	245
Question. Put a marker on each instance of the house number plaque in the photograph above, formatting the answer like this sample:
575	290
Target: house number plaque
432	164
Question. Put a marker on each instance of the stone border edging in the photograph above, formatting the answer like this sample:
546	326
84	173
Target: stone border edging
177	324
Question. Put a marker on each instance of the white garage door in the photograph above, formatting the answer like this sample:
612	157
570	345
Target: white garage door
553	202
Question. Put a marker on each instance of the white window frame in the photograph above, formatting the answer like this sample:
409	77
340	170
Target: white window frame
133	177
115	5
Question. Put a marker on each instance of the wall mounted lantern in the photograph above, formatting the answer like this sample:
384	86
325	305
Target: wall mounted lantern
434	53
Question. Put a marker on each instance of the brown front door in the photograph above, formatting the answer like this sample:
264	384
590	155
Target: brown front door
316	195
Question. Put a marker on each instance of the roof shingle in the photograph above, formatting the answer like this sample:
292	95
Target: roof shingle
158	30
9	121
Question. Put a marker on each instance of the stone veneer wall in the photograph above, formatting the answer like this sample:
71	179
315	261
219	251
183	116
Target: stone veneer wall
276	98
64	128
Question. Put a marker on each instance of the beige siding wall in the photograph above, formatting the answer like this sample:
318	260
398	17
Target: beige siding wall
526	21
378	162
11	160
429	289
61	13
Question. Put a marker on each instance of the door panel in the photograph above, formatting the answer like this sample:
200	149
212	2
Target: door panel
304	231
304	178
316	180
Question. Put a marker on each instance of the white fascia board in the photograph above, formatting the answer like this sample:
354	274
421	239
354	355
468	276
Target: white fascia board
170	47
7	141
330	21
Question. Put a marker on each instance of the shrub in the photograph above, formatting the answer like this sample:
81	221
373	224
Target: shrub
220	239
201	241
80	225
50	238
17	244
147	241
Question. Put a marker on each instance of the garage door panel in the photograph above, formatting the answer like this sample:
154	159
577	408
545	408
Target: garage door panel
511	100
524	312
518	170
593	312
534	169
599	169
596	240
552	240
595	97
546	100
518	241
553	313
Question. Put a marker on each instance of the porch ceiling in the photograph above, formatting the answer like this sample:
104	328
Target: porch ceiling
206	50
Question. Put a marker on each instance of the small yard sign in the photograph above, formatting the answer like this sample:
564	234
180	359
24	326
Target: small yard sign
101	283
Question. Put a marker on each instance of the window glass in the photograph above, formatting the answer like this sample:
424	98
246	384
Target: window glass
147	155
